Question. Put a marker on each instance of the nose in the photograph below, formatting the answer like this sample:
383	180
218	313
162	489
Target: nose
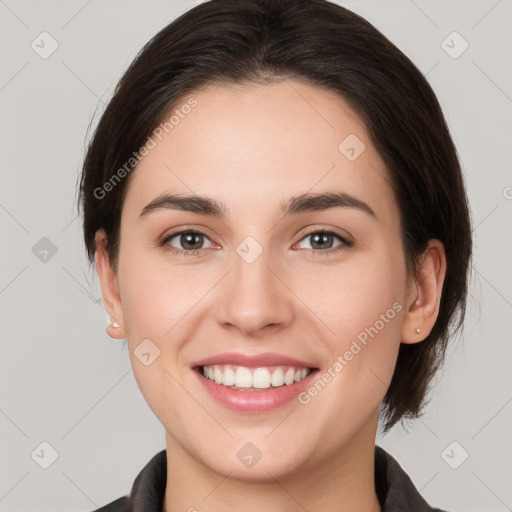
254	298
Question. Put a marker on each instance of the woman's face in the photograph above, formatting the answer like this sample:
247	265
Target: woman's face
263	280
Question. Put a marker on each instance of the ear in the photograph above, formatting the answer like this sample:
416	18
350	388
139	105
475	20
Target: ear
109	286
424	295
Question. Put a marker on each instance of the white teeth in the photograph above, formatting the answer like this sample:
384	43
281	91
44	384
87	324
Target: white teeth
229	377
261	378
243	377
218	375
240	377
289	377
277	378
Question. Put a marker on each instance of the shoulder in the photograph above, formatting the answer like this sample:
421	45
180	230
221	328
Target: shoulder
120	505
148	489
395	489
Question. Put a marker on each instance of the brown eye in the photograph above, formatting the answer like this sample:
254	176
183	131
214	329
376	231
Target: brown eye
187	241
322	241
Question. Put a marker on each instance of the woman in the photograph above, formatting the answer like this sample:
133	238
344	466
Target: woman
279	223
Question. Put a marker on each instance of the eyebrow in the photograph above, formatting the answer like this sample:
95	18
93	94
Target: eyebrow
303	203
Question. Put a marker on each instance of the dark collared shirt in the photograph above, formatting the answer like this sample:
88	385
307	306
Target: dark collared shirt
395	490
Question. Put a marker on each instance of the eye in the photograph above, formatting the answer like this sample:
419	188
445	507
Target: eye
186	242
191	242
322	240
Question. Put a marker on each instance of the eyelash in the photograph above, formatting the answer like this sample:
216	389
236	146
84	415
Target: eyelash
344	242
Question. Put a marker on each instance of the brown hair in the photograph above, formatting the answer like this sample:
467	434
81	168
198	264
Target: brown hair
260	41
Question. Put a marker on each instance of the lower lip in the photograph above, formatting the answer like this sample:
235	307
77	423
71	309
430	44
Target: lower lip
254	401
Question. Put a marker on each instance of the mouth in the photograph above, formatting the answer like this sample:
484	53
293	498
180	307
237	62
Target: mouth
253	384
242	378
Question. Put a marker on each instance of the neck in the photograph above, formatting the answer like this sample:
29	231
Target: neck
342	482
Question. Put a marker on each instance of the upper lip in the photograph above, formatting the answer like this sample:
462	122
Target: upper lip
252	361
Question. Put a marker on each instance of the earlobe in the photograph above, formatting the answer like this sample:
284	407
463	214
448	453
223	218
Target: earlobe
109	287
422	306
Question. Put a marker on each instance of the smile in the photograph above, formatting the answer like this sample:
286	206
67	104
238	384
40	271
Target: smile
250	379
253	383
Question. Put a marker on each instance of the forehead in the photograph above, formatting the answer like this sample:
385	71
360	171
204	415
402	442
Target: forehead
246	144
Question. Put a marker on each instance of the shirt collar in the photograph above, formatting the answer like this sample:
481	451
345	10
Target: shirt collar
395	490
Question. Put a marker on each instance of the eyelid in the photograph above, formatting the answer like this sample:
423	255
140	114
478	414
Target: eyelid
185	228
345	238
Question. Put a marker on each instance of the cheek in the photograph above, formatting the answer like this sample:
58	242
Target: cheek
156	297
355	297
362	306
155	303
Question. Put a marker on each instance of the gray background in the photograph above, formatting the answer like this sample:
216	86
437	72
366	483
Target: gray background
65	382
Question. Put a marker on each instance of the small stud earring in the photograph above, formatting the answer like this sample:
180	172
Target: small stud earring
417	331
115	325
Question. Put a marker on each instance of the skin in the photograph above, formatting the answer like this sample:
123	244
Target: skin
252	148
